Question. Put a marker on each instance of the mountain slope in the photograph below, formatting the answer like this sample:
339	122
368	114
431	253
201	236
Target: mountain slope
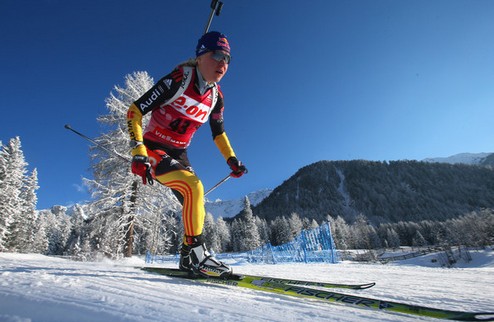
488	160
382	191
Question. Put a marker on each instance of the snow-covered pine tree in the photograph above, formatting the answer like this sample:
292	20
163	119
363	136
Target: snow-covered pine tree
105	232
223	234
280	231
77	234
477	228
249	239
419	240
119	195
5	216
158	223
211	236
237	233
113	187
340	231
263	229
365	234
58	229
296	224
40	242
310	223
392	238
27	220
14	168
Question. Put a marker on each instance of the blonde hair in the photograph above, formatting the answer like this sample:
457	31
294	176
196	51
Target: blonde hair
191	62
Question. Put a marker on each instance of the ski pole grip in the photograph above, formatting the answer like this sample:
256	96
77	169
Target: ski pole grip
218	10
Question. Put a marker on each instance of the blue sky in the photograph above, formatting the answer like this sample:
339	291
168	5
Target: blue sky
309	80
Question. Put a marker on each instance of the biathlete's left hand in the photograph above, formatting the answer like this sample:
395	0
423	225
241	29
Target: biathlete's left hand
238	169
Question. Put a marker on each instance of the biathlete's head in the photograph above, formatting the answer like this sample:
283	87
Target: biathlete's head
213	56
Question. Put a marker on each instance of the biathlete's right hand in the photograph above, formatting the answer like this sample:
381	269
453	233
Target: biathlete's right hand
142	167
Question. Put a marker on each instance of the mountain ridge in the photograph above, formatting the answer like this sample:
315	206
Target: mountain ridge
344	204
382	191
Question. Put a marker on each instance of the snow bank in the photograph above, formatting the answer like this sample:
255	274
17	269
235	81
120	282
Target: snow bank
46	289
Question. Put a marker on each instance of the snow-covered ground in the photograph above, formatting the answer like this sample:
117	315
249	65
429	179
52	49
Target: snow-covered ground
40	288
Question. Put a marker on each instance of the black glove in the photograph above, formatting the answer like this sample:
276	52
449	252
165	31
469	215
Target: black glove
142	167
238	169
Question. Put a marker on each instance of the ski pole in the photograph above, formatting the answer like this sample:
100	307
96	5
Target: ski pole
217	185
215	9
68	127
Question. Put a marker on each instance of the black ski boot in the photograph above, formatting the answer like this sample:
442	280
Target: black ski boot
200	261
185	263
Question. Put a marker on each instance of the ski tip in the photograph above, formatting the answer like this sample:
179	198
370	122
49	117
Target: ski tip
366	286
67	126
487	316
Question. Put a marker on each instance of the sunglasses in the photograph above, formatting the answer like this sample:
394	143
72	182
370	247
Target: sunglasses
219	56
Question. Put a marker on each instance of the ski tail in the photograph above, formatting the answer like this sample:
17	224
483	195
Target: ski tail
484	316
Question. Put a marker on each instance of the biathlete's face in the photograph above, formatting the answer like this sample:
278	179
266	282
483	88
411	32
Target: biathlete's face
213	65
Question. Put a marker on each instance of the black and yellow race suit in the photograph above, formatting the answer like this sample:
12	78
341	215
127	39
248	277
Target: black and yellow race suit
179	104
